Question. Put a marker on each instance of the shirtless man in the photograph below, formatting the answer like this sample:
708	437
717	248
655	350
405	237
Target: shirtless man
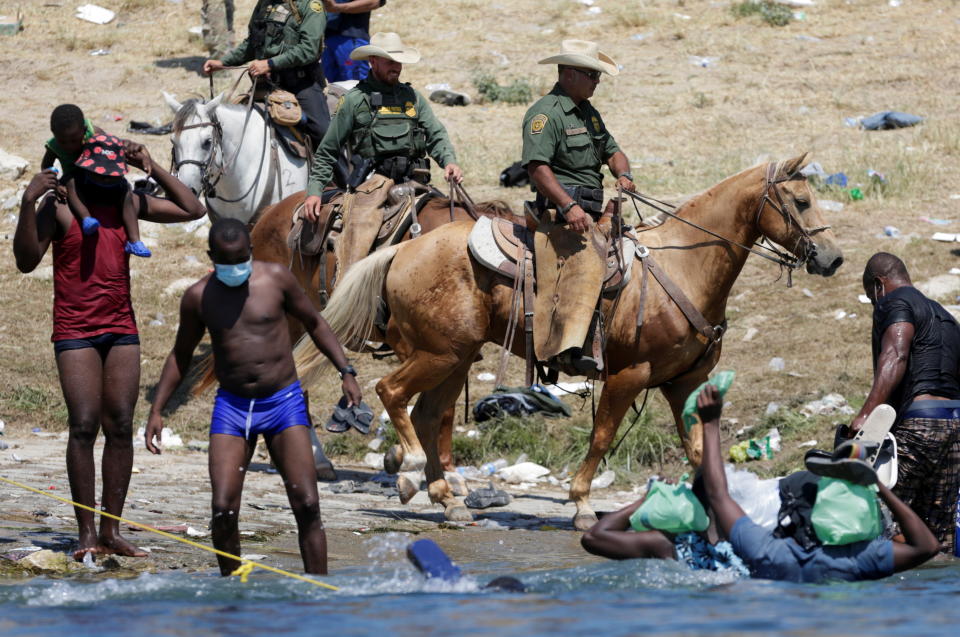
244	304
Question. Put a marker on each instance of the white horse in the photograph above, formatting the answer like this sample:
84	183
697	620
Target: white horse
231	155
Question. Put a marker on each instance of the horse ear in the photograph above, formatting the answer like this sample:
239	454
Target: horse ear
172	102
792	166
214	103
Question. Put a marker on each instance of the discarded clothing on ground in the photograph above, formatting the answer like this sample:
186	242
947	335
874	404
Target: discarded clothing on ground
359	417
146	128
488	497
519	401
885	120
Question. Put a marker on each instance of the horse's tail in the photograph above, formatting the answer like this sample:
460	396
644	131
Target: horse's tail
205	374
351	311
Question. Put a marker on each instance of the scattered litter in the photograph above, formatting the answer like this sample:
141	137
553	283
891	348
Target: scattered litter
808	443
523	472
944	236
760	499
178	286
807	293
954	271
488	497
519	401
751	332
705	62
253	556
603	480
135	470
855	194
799	15
157	320
754	449
198	445
470	473
955	195
936	222
830	205
373	460
369	487
895	3
594	10
777	364
11	25
450	97
486	377
487	523
473	433
437	86
831	404
836	179
813	169
742	430
682	16
192	532
100	52
641	36
886	120
809	38
375	443
95	14
876	176
771	409
840	315
863	298
852	122
561	389
796	3
16	458
192	226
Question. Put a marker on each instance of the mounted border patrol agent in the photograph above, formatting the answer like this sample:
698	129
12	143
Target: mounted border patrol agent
392	128
565	143
284	41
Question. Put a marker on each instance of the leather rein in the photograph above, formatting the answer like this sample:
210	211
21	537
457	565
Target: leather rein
783	259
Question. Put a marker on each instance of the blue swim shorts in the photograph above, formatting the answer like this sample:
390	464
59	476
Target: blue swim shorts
239	416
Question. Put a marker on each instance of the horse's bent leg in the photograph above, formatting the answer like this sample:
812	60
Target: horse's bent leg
428	416
614	401
676	394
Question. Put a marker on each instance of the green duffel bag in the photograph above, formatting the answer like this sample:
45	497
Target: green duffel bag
670	507
722	381
844	513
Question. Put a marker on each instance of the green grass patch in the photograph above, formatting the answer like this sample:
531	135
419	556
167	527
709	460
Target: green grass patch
773	14
519	91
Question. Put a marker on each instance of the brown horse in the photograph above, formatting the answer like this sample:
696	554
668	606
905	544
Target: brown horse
445	306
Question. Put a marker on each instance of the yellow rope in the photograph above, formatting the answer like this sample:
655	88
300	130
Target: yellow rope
243	571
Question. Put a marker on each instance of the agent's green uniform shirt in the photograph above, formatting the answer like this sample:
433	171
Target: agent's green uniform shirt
571	139
287	43
405	126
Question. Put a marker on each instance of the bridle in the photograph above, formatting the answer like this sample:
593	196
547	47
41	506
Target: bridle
805	245
207	185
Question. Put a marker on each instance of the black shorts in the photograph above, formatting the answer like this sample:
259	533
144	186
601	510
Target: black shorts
101	342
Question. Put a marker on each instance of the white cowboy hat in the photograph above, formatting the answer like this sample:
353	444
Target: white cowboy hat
386	45
583	54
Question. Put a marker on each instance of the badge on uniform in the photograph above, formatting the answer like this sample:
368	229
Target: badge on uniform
537	124
596	123
316	6
339	104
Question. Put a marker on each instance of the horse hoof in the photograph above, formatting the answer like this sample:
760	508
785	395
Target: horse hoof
326	472
584	521
406	489
413	462
457	513
393	459
457	484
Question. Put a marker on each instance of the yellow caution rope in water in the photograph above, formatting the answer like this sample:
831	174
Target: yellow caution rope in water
243	571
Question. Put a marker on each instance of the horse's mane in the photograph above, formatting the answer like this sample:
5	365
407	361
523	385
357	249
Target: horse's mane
187	111
495	208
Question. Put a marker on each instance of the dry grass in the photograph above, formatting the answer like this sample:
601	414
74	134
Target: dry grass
771	94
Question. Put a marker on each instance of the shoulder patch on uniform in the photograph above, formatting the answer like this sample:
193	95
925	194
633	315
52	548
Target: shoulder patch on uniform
596	123
537	124
339	103
316	6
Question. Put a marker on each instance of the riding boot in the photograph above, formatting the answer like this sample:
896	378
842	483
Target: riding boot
569	278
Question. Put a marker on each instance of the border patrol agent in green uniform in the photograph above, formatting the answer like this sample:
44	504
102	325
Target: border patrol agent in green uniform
386	122
565	143
284	41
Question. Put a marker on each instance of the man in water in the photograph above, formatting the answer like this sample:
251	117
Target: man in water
916	354
769	557
95	337
244	305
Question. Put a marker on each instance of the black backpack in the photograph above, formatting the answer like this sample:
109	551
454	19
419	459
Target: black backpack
514	175
798	493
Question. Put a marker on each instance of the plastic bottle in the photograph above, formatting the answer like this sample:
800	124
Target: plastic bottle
490	468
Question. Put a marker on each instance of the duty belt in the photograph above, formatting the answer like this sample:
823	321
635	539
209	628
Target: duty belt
400	168
590	199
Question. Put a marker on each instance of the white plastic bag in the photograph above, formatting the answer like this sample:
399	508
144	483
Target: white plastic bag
760	499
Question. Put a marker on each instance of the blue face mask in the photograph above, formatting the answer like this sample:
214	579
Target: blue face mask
234	275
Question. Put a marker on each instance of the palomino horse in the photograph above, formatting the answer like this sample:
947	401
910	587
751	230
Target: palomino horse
445	306
269	240
226	152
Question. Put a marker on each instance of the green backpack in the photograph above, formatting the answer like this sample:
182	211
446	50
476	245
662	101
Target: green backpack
845	513
670	507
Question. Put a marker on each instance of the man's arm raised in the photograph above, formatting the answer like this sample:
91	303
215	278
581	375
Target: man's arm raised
725	508
35	227
178	361
180	205
298	305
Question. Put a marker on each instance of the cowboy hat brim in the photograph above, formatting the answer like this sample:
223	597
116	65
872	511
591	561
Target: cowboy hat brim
604	64
406	55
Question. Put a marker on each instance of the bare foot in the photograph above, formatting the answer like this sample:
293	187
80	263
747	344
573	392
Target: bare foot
79	554
116	545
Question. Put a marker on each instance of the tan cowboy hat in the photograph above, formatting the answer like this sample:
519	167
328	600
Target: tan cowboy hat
386	45
583	54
